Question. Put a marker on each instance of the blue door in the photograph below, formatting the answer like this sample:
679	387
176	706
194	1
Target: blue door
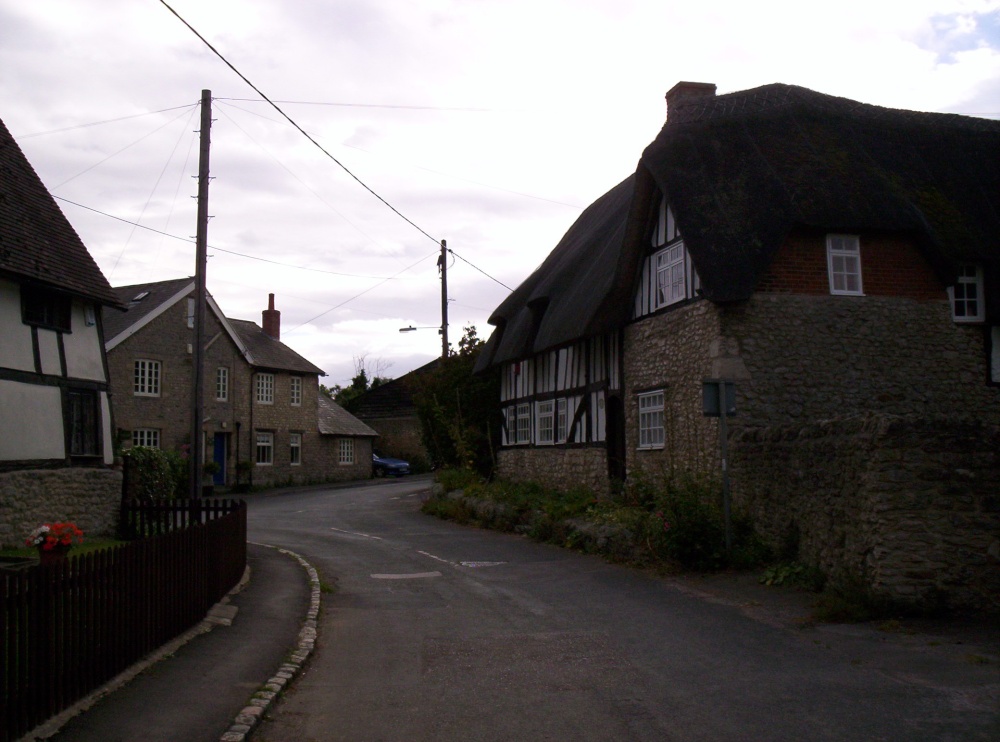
219	457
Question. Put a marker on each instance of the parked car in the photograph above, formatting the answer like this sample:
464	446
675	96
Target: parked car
383	466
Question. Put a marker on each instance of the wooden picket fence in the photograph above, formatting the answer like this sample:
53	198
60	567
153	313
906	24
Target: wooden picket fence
67	628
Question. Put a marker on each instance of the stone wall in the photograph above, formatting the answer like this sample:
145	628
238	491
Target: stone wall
911	507
90	498
556	467
399	437
673	351
815	357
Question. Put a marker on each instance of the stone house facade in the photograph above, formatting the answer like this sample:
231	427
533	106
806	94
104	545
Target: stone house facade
261	399
56	447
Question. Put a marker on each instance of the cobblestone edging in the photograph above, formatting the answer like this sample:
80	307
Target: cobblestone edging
247	719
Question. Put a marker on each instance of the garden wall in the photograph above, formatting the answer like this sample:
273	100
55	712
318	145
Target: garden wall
911	507
90	498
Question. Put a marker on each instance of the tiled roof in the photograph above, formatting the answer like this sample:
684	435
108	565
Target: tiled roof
36	240
335	420
267	352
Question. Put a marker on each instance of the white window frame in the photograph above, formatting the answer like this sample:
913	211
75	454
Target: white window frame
295	390
148	437
345	451
295	449
651	430
545	422
265	388
264	449
966	296
562	420
670	270
843	262
190	314
523	431
222	384
146	377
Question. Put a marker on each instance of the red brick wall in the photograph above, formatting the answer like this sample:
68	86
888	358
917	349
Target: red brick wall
890	266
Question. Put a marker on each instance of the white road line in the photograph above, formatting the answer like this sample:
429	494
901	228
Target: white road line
437	558
354	533
414	576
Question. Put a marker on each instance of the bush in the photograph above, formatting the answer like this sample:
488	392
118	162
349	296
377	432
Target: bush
149	473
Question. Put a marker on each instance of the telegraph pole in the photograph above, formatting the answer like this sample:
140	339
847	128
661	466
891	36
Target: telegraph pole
443	265
197	453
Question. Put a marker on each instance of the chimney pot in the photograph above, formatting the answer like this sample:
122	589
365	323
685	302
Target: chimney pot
684	91
271	319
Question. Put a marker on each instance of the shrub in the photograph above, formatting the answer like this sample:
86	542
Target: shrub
149	473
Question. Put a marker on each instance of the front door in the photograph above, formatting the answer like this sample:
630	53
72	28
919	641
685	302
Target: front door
219	457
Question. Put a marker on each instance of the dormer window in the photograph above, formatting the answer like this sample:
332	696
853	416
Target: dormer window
967	295
843	257
668	275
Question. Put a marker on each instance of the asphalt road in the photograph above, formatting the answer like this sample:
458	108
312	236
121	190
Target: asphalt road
435	631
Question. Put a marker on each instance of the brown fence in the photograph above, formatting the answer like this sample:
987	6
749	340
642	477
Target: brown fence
67	628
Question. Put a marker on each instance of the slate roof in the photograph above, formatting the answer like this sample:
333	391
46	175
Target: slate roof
269	353
393	398
36	241
115	323
335	420
742	170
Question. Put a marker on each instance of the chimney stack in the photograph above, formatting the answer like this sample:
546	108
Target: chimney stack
271	319
684	91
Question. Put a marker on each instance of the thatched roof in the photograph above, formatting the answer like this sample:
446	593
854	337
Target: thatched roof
741	171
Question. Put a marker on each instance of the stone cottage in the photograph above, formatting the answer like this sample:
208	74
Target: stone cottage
829	259
261	406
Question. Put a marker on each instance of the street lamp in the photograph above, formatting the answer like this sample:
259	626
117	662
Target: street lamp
411	328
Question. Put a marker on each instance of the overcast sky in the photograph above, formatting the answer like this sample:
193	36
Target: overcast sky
488	123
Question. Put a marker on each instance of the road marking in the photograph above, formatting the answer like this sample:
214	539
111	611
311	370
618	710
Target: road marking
414	576
472	565
354	533
436	557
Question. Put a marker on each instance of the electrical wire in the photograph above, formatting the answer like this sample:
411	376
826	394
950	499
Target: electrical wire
105	121
480	270
220	249
358	296
293	123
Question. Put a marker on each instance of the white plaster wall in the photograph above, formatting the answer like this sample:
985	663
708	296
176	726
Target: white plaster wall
109	452
31	421
83	346
15	350
48	351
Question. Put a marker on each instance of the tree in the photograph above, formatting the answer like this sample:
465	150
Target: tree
459	411
347	396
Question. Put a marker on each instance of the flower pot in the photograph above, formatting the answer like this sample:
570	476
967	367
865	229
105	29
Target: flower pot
55	555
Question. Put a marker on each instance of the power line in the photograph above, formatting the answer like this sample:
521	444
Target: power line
105	121
372	105
480	270
221	249
293	123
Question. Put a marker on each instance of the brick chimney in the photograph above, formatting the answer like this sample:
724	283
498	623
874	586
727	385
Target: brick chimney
684	91
271	319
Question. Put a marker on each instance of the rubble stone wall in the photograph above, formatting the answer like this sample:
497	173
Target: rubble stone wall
910	507
90	498
556	467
